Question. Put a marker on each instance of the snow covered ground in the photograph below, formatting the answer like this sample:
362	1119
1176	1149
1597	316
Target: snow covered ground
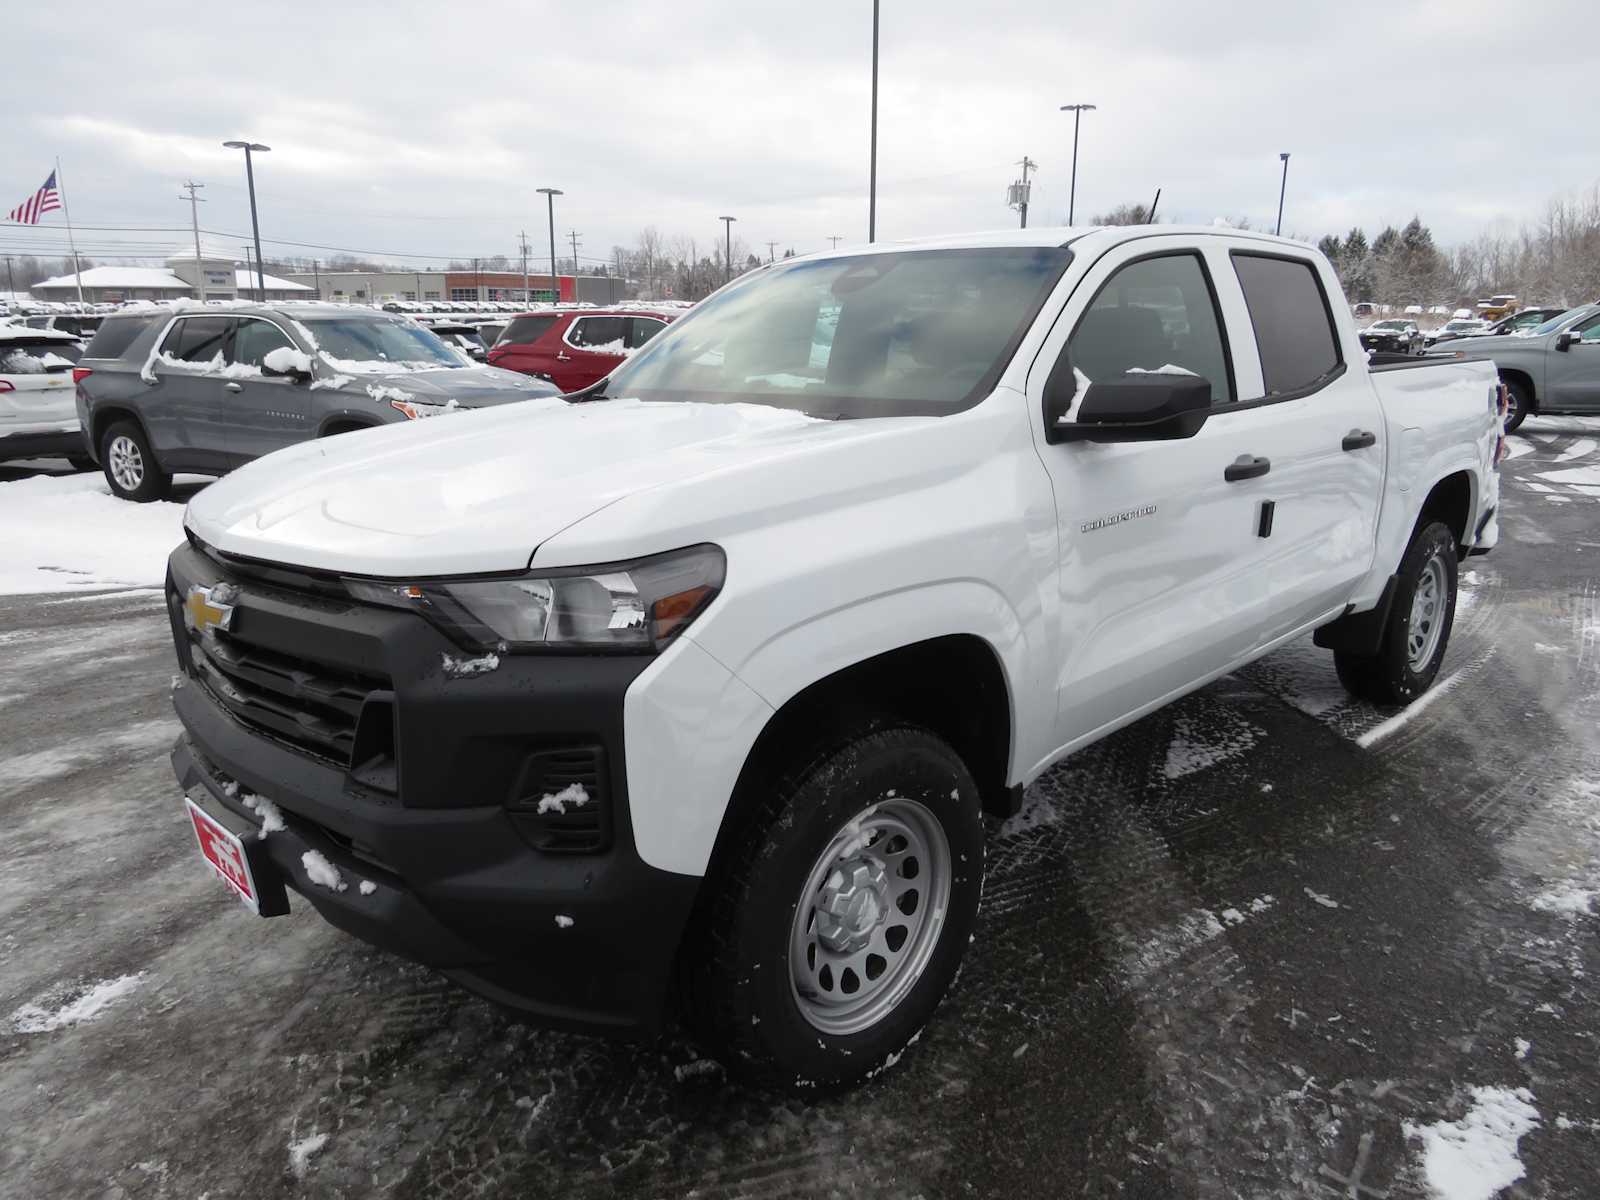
1270	942
68	533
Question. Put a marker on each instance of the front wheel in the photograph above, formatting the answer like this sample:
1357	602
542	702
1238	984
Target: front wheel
839	920
1518	403
1418	629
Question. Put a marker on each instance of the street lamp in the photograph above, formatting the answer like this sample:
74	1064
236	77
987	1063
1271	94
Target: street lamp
550	195
250	148
727	247
1077	111
872	185
1282	187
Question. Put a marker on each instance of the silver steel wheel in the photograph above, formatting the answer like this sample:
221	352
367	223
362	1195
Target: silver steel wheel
869	917
126	463
1427	613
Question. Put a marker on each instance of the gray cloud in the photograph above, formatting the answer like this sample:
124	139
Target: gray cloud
425	128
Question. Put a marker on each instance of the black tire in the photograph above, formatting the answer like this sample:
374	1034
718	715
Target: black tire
81	462
125	451
1518	403
743	1000
1391	677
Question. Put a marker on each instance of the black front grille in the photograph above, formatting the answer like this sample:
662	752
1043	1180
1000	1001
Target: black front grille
312	706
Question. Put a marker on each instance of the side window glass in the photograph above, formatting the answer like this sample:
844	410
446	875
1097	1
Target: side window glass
254	340
1589	330
600	334
198	340
1153	315
641	330
1294	329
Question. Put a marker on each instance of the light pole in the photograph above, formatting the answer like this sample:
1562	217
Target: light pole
255	226
1077	111
1282	188
727	248
550	195
872	185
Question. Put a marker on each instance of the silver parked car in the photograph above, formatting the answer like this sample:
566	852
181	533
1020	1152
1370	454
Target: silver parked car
206	390
1554	369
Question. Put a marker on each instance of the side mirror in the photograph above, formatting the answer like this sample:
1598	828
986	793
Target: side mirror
284	363
1138	406
1567	340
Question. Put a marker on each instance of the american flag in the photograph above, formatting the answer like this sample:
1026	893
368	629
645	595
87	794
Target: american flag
46	199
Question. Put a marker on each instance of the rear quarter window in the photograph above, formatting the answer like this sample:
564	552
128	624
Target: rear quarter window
115	335
1293	323
524	331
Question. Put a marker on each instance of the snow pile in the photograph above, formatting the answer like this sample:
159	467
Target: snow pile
465	668
1566	899
69	533
573	794
1166	369
1475	1157
300	1152
34	1018
322	872
271	816
563	921
367	887
383	391
332	381
286	360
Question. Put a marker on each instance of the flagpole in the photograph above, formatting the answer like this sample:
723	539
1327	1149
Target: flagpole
77	271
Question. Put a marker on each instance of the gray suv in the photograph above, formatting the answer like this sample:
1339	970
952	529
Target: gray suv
1551	369
205	390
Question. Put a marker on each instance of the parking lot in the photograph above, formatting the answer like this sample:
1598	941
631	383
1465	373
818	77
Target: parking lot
1267	942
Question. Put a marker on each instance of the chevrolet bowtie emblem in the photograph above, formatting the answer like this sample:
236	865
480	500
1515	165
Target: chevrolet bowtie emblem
207	609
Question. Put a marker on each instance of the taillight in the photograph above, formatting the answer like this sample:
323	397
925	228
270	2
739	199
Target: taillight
1502	397
79	374
6	387
1500	450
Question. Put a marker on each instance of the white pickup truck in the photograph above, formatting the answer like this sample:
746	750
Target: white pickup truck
686	694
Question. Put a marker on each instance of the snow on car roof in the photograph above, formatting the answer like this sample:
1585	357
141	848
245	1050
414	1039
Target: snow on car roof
17	333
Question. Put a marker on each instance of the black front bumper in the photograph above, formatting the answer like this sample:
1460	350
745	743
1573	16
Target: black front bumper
466	879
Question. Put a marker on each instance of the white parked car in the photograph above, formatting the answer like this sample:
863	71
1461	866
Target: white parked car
694	686
1459	328
38	413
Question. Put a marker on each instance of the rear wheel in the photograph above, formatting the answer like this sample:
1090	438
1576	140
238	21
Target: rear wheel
1518	403
131	469
838	921
1418	631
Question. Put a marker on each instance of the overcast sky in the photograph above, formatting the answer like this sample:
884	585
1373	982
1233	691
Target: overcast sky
413	129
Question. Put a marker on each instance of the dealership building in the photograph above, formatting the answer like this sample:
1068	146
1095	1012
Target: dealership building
470	287
216	276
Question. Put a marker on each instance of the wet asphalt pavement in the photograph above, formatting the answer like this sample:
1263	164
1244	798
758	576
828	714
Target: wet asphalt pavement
1255	945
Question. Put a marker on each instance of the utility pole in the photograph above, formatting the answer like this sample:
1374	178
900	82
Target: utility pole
1077	111
727	230
194	220
527	295
572	236
11	278
835	241
872	185
772	251
316	276
1019	191
477	284
1282	188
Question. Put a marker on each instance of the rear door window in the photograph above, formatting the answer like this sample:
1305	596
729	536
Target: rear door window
641	330
1293	323
1156	314
525	331
601	335
114	336
197	339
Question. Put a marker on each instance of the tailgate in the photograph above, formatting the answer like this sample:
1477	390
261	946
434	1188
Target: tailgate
43	403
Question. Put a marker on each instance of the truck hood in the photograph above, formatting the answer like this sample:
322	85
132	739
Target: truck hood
469	387
479	491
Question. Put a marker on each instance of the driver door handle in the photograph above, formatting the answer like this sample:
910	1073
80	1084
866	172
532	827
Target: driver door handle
1246	466
233	387
1359	439
563	356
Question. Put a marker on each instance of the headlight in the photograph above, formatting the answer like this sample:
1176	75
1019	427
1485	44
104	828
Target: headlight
629	606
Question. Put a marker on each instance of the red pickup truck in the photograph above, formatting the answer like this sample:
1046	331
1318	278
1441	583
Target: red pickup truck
573	348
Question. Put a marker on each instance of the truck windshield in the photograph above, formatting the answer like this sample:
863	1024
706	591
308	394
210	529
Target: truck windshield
908	333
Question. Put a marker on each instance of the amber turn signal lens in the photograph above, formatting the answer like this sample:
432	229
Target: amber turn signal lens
671	613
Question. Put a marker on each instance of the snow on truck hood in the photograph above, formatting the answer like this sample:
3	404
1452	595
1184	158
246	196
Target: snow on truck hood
476	491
